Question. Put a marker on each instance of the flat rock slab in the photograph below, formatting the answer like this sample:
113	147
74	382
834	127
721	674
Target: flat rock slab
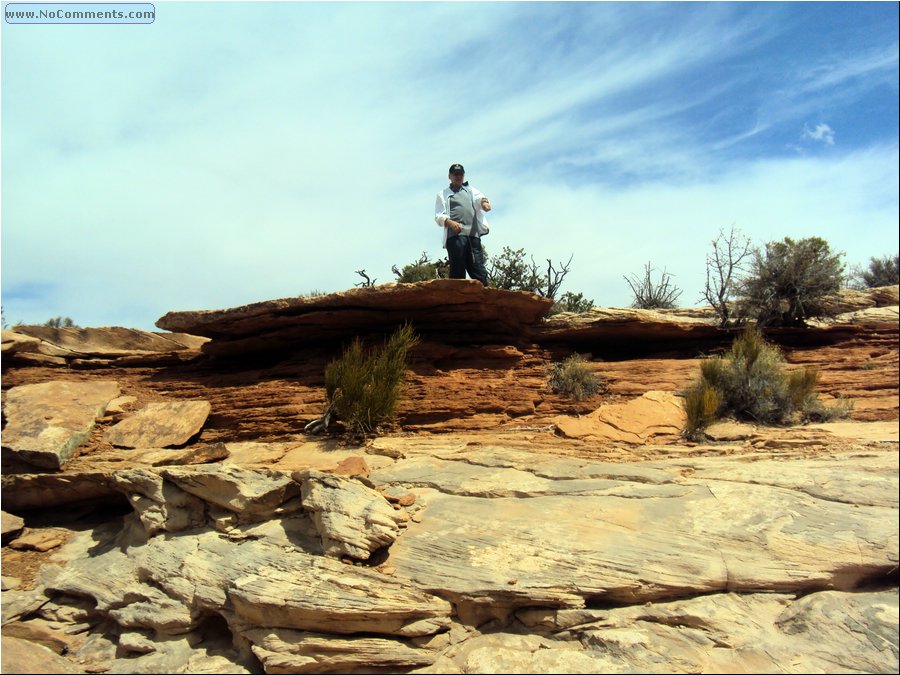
724	528
99	344
40	540
160	425
656	413
48	421
23	656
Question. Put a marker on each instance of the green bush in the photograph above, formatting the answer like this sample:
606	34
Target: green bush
789	283
364	386
423	269
701	403
752	383
571	302
575	379
882	272
60	322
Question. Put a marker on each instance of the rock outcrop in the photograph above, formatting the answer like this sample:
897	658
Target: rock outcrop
707	562
47	422
500	528
455	311
98	347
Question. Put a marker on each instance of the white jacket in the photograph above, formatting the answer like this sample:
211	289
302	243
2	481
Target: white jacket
442	211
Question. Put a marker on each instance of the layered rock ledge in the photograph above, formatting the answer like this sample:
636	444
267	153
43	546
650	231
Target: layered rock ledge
451	310
495	559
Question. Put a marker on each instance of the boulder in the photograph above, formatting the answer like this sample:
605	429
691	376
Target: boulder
12	525
44	539
250	493
352	519
48	421
159	425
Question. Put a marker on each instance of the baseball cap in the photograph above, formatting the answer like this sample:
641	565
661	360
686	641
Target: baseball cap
457	168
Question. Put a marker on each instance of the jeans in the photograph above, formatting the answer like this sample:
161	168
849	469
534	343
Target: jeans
466	255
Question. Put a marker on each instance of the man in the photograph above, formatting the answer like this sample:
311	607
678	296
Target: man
460	209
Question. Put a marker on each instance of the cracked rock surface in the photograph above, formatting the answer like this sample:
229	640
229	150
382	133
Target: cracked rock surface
487	559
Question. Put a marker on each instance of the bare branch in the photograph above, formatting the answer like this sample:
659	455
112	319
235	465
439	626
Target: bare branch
729	253
649	295
368	283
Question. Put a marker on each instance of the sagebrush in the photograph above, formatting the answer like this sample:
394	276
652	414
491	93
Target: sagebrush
789	282
575	379
752	383
363	386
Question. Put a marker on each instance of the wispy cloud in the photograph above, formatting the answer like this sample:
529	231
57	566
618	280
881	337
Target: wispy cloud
822	133
264	150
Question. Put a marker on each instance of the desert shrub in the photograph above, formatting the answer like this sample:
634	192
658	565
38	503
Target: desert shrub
575	379
881	272
649	294
364	386
817	411
571	302
511	272
423	269
60	322
701	403
789	282
752	383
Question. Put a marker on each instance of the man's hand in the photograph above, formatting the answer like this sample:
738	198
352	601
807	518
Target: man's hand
453	225
485	204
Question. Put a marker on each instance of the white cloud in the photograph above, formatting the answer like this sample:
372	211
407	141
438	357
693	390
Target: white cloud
269	152
822	133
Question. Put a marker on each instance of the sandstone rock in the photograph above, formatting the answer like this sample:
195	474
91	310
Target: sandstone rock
159	504
11	525
266	584
290	651
619	328
352	466
40	540
729	431
450	309
706	535
508	653
352	519
136	642
48	421
655	413
159	425
820	632
250	493
10	583
41	490
108	345
21	656
14	342
120	404
37	631
885	296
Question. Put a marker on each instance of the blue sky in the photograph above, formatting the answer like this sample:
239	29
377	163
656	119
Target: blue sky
235	152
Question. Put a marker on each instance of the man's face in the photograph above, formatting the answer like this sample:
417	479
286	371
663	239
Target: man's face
456	179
